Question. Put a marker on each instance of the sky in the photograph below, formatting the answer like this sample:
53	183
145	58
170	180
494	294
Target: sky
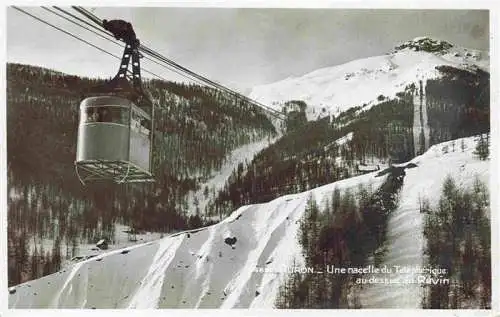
239	47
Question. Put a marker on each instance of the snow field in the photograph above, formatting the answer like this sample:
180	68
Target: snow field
369	78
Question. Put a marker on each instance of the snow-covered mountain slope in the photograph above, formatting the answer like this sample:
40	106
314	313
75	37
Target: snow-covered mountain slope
365	80
218	266
238	156
405	242
197	269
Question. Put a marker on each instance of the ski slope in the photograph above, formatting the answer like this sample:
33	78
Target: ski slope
216	266
324	89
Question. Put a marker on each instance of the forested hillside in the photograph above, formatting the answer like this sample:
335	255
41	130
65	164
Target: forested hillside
49	209
361	139
458	104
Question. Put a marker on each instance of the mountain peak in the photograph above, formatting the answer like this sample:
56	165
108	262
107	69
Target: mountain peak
367	81
426	44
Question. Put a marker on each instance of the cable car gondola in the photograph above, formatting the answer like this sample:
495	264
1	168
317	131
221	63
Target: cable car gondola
115	131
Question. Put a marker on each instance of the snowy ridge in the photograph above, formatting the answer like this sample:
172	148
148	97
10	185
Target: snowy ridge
216	266
196	269
324	89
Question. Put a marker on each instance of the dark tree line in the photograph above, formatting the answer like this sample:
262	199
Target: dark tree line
458	104
458	233
344	234
483	147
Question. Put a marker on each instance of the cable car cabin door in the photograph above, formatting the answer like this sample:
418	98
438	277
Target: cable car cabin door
140	142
